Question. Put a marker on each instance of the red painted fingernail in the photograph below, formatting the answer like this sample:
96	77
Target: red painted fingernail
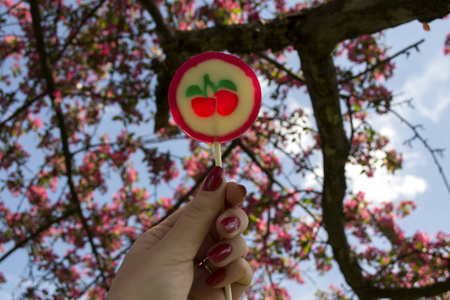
230	224
220	253
216	277
213	180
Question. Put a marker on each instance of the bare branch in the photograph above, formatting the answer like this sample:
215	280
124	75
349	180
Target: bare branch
385	61
69	41
26	105
434	152
272	179
34	234
280	66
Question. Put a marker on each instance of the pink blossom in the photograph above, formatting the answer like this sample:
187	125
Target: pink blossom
36	194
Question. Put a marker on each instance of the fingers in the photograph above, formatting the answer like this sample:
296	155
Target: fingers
231	223
196	219
235	194
227	251
238	274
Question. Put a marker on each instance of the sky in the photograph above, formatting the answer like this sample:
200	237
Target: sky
425	77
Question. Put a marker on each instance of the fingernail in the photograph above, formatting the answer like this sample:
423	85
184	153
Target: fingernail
216	277
213	180
230	224
220	253
243	189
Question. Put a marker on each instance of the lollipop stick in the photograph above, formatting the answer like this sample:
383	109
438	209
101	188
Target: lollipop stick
218	159
217	154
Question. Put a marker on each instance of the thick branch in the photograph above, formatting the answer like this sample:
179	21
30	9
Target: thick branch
326	26
320	75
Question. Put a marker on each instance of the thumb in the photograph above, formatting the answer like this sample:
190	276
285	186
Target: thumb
195	222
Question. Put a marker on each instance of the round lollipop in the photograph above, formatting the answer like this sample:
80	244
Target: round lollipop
214	98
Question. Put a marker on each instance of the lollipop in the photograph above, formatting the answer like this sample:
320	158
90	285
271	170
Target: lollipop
214	98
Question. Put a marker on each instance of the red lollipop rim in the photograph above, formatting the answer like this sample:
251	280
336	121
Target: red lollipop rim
192	62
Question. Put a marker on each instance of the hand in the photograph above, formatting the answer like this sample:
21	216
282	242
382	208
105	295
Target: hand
164	262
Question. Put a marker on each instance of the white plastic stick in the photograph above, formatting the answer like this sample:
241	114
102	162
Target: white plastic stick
217	154
228	294
218	160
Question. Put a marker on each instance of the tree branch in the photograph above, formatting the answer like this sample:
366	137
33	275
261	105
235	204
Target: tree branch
161	27
325	26
320	75
48	77
280	66
69	40
269	175
34	234
384	61
427	146
24	106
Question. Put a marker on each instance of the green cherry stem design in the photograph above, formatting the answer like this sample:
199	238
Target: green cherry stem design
225	99
206	82
195	90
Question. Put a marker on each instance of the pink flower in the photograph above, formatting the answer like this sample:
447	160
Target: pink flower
131	176
38	123
36	194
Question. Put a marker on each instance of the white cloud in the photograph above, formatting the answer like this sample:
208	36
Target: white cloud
381	187
385	187
430	89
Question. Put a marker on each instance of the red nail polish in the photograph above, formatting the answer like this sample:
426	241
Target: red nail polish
213	180
230	224
216	277
220	253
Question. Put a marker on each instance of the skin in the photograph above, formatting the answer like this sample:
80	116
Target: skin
163	262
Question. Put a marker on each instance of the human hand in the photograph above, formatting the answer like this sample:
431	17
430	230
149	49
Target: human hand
164	262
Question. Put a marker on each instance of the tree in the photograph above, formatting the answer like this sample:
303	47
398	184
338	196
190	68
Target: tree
83	85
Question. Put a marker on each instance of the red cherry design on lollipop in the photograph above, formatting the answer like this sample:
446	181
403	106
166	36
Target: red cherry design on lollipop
214	97
205	106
